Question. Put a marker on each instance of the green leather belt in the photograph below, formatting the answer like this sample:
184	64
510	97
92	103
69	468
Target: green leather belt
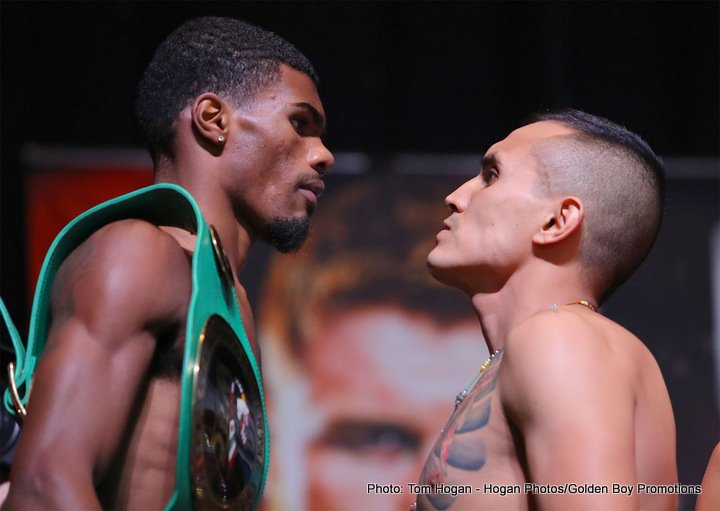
223	444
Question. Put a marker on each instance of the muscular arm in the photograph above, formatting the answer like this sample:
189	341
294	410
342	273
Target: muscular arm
111	301
574	410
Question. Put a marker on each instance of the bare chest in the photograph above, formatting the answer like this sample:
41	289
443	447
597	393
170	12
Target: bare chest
474	462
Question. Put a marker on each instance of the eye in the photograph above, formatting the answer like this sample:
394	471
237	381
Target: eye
301	124
490	175
371	439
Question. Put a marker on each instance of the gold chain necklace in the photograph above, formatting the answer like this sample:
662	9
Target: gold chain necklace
585	303
462	395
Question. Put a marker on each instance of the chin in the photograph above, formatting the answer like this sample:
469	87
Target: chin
286	234
447	275
434	261
436	271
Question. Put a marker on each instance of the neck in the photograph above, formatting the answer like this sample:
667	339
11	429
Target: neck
236	237
523	295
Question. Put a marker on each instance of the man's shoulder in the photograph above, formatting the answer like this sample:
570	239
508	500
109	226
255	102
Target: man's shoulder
547	334
127	266
132	242
565	353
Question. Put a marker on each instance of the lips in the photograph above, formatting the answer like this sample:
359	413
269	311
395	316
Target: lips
311	189
445	227
316	186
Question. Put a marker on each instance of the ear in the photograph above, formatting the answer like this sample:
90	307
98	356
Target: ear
561	223
210	118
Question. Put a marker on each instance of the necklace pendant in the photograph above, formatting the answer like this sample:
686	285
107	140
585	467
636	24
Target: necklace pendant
460	398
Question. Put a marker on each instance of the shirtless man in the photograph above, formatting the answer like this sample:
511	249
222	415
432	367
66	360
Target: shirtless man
232	114
572	411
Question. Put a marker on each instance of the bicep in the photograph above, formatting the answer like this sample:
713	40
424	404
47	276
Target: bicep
576	420
108	298
81	396
581	440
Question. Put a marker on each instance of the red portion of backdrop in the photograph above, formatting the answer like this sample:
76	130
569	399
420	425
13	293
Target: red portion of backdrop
54	197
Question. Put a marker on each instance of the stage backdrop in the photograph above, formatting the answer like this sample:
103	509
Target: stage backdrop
363	353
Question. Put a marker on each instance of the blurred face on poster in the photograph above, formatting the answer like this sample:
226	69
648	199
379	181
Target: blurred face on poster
380	389
363	351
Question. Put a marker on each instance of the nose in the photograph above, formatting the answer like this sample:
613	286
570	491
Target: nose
450	200
320	157
457	200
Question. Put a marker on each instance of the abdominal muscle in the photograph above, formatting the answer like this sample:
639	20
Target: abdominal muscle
143	477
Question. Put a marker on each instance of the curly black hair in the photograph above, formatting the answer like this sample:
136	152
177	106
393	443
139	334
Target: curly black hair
226	56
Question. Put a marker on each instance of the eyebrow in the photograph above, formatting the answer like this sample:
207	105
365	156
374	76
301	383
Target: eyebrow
318	118
490	160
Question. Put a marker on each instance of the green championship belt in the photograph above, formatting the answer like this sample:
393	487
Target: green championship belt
223	443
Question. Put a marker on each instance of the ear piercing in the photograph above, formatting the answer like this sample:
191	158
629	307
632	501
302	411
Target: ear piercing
221	139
